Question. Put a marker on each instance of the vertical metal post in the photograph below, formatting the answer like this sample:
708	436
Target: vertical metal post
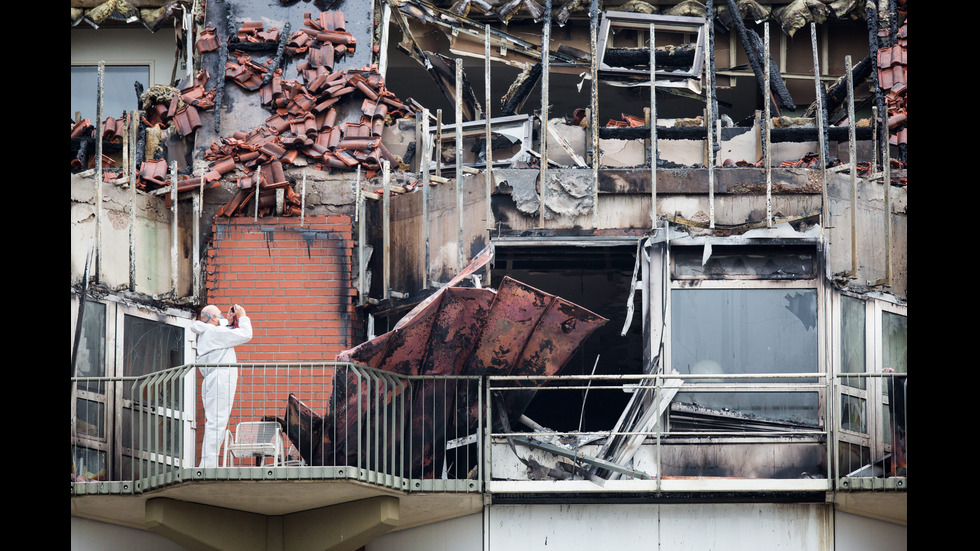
821	131
302	199
258	185
594	106
189	41
383	47
196	228
767	124
424	178
386	179
886	166
361	237
173	228
459	163
125	145
852	153
134	127
653	128
488	173
709	125
98	172
437	147
545	69
709	64
198	285
646	141
874	140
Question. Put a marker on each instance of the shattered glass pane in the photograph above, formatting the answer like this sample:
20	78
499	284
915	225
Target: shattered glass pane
852	354
88	464
894	341
91	347
894	353
854	415
150	346
745	331
89	418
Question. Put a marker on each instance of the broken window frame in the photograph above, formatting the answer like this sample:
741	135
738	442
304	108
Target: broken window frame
689	79
520	124
813	283
871	392
110	445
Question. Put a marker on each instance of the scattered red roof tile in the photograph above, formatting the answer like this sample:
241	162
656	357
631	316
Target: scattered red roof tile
893	81
207	41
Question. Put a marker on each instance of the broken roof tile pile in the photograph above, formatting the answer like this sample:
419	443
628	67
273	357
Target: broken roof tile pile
112	131
304	111
893	80
627	121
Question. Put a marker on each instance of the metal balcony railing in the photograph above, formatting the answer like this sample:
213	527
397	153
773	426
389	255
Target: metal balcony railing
675	433
871	442
335	421
345	421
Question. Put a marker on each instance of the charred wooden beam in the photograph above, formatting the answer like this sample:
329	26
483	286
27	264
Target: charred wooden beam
82	155
834	133
751	50
280	51
666	58
520	90
837	94
222	60
871	13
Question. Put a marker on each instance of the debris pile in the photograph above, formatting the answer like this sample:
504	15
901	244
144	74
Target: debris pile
304	113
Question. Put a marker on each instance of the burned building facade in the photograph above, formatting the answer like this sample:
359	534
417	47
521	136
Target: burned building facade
521	274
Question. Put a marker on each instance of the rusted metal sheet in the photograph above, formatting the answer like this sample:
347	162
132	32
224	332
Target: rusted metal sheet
562	328
455	331
407	344
479	261
370	353
516	330
513	316
454	336
307	432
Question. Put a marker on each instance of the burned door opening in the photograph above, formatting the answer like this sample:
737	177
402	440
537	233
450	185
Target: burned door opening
597	278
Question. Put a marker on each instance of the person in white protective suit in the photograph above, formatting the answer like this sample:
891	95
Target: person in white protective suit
216	339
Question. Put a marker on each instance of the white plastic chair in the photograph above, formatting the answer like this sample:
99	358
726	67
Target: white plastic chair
255	439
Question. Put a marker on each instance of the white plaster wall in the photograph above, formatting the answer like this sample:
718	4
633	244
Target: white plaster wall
650	526
459	534
750	527
90	535
152	238
855	533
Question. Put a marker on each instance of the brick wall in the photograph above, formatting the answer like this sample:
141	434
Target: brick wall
295	283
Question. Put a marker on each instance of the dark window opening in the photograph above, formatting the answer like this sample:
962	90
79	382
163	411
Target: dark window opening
597	278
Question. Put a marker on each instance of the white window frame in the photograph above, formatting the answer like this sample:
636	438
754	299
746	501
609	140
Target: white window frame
875	399
148	63
112	445
755	282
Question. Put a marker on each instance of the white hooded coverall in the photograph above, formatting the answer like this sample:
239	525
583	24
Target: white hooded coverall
215	345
